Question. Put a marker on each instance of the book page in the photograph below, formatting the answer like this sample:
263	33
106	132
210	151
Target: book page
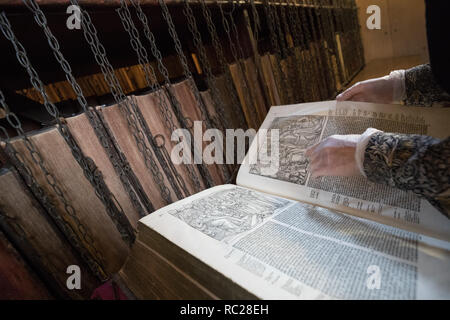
301	126
281	249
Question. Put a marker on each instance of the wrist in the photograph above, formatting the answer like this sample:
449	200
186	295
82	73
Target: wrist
361	145
398	83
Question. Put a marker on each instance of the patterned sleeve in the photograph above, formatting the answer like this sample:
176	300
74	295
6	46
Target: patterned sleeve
421	87
417	163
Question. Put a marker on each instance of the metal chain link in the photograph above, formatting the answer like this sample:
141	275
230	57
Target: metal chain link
187	123
90	170
97	126
127	106
238	54
187	72
121	220
190	79
326	50
236	105
95	260
329	12
313	39
157	140
276	48
299	42
296	83
210	79
255	56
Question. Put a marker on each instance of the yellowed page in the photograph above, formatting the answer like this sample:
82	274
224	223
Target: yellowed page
303	125
276	248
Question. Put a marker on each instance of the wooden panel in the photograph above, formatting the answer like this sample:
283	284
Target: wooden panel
80	194
90	145
381	67
402	32
190	109
149	106
17	281
53	252
118	126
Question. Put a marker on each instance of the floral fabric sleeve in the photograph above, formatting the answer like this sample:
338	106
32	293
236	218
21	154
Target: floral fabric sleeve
416	163
422	88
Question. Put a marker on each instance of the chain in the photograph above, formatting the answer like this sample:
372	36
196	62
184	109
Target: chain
298	39
356	30
211	81
88	166
330	12
325	50
288	30
314	45
187	72
198	42
237	56
127	106
341	20
158	140
276	48
236	105
256	57
99	130
186	122
94	261
282	40
188	75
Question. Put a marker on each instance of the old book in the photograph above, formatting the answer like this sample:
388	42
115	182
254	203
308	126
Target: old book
113	118
88	217
162	123
279	79
191	110
257	94
269	79
17	280
244	94
279	234
86	137
232	107
38	238
219	170
286	69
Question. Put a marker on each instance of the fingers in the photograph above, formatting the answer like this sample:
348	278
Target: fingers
310	151
334	156
350	92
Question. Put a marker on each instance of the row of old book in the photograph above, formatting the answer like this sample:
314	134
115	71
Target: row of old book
260	81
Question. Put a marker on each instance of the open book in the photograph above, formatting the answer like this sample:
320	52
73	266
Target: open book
280	234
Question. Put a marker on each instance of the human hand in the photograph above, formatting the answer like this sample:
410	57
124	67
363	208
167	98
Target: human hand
334	156
387	89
